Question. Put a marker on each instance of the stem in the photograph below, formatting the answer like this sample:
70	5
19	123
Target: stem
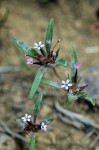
32	145
56	44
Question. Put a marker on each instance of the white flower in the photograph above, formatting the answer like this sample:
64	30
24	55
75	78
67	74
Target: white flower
38	45
29	60
26	118
66	84
43	126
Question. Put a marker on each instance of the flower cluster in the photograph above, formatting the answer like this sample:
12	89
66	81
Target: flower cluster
31	126
42	58
73	87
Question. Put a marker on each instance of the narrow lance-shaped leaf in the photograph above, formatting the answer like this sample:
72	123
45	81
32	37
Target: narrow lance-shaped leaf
49	35
20	123
28	50
32	144
36	82
62	62
74	61
38	104
89	99
48	121
86	97
51	83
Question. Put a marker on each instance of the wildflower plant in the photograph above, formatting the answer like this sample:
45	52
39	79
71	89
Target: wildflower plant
45	56
31	125
74	91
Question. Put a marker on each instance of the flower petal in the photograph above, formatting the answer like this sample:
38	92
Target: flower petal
26	115
40	43
66	87
29	116
67	81
69	84
63	82
62	86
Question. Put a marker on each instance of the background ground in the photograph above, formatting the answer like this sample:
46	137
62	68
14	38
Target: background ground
75	26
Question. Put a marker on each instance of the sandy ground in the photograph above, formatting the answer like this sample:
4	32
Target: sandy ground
75	26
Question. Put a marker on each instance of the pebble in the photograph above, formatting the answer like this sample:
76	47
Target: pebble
7	143
91	77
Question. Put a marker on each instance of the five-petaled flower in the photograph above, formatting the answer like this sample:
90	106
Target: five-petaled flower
43	126
77	65
29	60
26	118
66	84
38	45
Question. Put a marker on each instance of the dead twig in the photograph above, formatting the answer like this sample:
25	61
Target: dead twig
75	119
94	141
11	133
78	121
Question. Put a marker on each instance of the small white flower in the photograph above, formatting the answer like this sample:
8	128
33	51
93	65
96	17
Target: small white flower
26	118
43	126
38	45
66	84
29	60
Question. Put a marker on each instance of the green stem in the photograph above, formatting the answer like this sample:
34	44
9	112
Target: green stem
32	145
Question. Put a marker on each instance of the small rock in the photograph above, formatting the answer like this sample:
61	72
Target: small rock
91	77
7	143
46	110
44	139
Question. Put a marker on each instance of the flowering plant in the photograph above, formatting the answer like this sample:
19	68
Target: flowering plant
47	58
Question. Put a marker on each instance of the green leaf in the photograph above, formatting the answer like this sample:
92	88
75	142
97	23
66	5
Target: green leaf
74	61
74	57
38	104
51	83
36	82
33	138
70	98
62	62
48	121
20	123
57	52
82	94
86	97
89	99
49	35
28	50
